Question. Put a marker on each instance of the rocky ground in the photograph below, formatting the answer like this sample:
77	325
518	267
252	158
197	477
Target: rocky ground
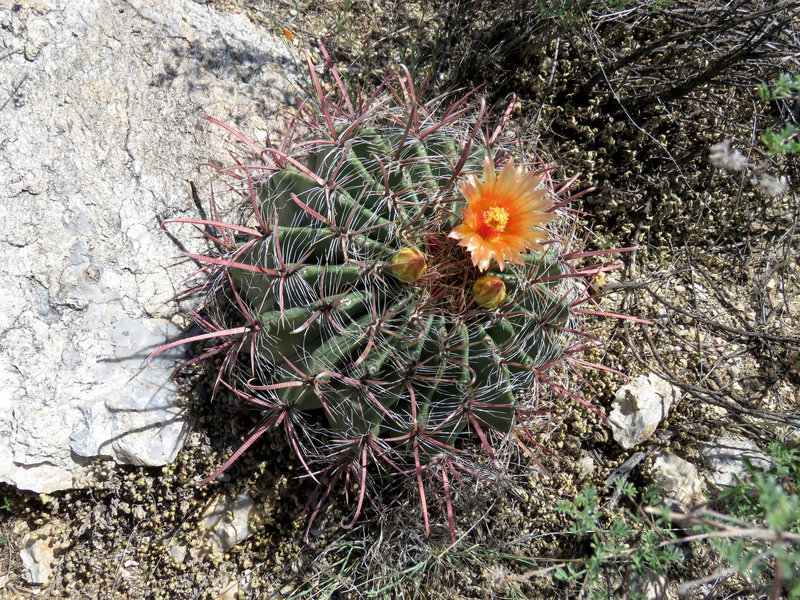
715	273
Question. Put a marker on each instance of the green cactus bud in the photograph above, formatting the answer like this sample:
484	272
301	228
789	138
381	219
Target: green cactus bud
409	265
489	291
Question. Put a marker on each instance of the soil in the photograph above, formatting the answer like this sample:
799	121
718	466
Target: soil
715	272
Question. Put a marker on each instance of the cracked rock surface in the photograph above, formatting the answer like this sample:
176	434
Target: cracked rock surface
100	131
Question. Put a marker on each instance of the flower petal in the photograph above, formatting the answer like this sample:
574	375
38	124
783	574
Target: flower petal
505	215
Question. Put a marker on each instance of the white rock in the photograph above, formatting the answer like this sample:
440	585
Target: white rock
586	465
37	558
178	551
100	130
228	520
230	591
639	407
724	457
654	588
678	479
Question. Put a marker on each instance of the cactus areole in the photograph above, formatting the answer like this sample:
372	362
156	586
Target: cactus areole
395	302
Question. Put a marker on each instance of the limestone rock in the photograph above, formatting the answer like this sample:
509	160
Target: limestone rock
227	521
724	458
224	523
100	131
37	558
639	407
230	592
655	588
586	465
678	479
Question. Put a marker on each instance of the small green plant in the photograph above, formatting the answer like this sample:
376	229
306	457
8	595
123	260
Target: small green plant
6	505
364	569
632	545
384	303
783	140
566	10
742	498
758	528
338	574
574	10
344	18
784	88
654	5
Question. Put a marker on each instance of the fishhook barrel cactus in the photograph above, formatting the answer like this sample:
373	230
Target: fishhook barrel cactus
401	293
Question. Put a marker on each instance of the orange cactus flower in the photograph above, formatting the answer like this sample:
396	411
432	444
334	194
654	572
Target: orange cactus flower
505	215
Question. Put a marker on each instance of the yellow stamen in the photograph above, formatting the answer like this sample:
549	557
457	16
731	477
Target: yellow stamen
506	215
496	218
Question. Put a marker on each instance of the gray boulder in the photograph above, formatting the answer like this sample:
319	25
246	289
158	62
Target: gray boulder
100	132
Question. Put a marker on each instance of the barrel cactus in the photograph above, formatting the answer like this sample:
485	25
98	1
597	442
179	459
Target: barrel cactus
399	291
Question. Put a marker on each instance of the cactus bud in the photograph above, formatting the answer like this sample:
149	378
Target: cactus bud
489	291
408	265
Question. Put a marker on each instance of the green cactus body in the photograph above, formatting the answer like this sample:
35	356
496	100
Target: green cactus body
326	304
346	300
